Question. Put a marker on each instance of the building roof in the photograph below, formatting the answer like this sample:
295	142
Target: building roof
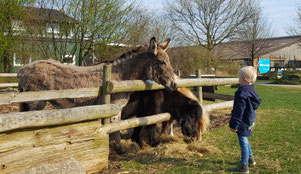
46	14
237	49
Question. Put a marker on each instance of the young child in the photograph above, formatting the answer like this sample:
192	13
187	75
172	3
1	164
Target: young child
243	115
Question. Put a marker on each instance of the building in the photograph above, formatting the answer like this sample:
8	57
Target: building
282	52
43	34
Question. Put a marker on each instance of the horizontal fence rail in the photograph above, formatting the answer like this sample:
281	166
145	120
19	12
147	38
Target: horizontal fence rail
8	74
135	122
31	119
139	85
16	97
206	82
153	119
221	105
8	85
112	87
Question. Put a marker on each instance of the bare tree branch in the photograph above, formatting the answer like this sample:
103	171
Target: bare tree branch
255	33
208	22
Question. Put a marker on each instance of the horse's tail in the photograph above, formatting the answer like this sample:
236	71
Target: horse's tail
205	120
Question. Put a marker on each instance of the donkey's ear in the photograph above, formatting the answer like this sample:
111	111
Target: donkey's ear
153	46
165	44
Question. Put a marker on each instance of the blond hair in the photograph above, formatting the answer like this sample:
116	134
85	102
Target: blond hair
248	73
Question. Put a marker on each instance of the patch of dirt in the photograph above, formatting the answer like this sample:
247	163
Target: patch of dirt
219	118
16	108
9	108
172	148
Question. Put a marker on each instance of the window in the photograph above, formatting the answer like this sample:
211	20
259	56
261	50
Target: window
53	28
71	34
18	60
69	59
17	26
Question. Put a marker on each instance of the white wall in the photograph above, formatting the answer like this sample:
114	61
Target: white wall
289	53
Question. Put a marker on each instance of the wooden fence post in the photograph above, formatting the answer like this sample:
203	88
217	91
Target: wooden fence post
106	98
198	89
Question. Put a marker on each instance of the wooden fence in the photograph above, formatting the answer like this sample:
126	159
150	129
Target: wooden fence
34	138
8	74
8	85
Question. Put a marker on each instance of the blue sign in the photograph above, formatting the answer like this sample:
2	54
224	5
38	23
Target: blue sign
264	65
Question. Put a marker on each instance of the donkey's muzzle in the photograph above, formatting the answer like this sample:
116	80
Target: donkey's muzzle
171	86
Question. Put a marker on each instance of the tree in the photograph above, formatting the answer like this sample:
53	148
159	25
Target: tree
208	22
11	13
144	24
100	21
89	23
139	27
254	33
295	30
195	58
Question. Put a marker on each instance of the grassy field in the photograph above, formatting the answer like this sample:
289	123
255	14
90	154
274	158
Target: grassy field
276	142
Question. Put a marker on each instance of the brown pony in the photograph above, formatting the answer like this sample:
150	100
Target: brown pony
143	63
181	104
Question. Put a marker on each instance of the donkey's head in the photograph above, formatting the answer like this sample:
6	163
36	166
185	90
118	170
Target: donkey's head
159	68
191	118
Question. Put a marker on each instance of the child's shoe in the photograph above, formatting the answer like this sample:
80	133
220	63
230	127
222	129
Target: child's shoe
252	161
241	169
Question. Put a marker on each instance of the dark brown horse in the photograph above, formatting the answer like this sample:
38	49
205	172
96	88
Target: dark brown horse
181	104
143	63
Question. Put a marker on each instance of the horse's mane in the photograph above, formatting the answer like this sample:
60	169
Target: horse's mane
127	55
69	70
187	92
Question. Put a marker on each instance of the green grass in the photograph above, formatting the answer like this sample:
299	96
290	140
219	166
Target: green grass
289	77
8	80
276	141
277	137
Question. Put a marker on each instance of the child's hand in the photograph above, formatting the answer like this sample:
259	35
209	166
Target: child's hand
233	130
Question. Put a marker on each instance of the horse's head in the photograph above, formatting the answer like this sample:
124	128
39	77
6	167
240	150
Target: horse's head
189	120
159	68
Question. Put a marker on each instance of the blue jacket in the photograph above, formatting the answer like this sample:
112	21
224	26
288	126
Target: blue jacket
243	116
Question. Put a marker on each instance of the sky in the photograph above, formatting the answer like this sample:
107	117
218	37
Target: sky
280	13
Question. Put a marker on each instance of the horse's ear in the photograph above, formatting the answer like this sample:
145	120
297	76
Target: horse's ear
165	44
153	46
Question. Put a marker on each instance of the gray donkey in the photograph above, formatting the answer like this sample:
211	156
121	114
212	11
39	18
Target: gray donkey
143	63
